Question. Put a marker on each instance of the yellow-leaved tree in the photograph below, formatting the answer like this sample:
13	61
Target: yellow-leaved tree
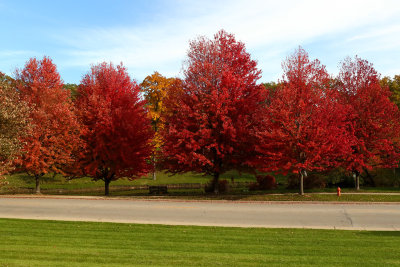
155	88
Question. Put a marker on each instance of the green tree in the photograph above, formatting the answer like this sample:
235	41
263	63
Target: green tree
73	88
271	88
394	87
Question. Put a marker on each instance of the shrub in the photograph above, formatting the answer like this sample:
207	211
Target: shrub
223	186
266	182
383	178
339	177
374	178
313	180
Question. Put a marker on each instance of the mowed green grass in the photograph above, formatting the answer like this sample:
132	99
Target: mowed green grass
23	180
59	243
22	183
260	196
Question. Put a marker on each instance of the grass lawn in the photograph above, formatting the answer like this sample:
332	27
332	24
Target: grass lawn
22	183
259	196
22	180
322	197
59	243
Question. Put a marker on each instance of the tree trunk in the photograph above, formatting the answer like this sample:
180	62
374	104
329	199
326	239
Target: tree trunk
37	188
216	183
369	179
301	183
358	183
107	187
154	168
356	180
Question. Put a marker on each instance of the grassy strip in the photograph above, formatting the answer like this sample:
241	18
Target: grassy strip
58	243
198	194
321	197
22	183
284	197
22	180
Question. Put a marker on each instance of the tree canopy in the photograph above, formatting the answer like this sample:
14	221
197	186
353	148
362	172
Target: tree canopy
54	130
375	119
155	88
306	126
13	123
211	125
116	131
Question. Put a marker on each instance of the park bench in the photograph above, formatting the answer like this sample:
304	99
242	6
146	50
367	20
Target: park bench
159	189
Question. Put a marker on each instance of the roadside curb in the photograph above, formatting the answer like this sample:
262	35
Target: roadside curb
158	199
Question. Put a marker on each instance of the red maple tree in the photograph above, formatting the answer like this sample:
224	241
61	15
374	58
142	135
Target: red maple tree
117	132
54	130
375	118
306	127
211	123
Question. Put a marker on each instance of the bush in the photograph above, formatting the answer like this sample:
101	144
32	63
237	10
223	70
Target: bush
374	178
339	177
312	181
223	186
382	178
267	182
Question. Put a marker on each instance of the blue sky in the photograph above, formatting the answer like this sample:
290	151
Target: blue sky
150	36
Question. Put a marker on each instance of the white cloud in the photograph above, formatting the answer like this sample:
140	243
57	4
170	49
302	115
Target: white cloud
377	38
269	28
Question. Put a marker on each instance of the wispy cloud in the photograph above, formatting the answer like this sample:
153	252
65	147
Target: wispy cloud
381	38
12	53
13	59
270	30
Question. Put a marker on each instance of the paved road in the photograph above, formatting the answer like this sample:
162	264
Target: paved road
218	213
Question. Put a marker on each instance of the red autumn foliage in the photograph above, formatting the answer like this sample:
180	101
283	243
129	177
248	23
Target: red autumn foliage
117	132
210	126
306	127
375	118
54	130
